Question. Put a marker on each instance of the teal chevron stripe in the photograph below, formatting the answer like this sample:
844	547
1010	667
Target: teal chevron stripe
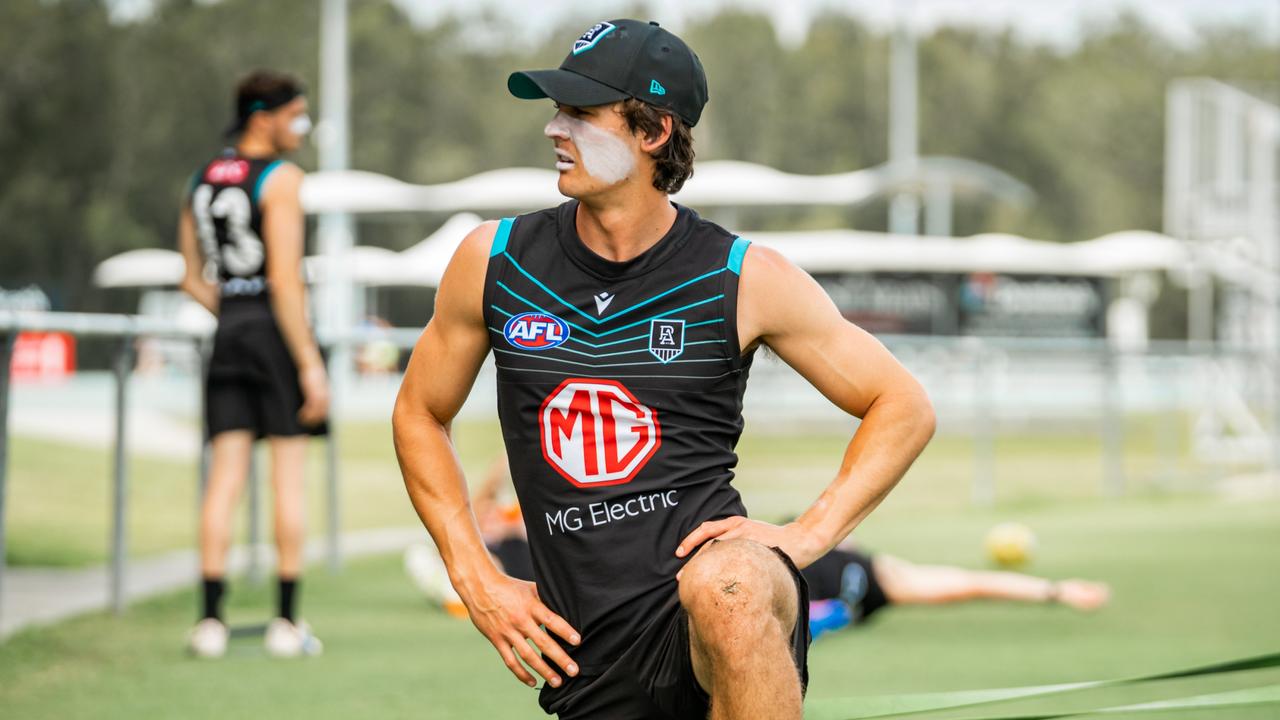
605	365
620	352
619	376
579	328
596	320
591	344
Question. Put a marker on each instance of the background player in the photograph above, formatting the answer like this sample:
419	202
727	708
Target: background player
241	235
846	586
640	426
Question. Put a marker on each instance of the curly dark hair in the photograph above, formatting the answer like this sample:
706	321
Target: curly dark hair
675	158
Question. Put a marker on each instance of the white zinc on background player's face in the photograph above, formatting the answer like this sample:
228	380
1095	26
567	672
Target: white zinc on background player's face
604	154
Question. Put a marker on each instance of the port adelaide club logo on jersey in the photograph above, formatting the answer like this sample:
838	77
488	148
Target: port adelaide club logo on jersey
536	331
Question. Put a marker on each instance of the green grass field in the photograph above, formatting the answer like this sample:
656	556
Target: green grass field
59	502
1195	579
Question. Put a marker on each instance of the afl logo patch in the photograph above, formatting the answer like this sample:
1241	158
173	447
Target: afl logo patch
536	331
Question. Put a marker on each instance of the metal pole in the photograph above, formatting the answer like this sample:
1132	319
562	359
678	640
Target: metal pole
119	549
984	444
202	481
904	208
336	234
1168	430
937	216
335	231
6	352
334	534
1112	424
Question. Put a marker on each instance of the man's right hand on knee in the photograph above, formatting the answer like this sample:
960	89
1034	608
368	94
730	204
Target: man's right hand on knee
509	613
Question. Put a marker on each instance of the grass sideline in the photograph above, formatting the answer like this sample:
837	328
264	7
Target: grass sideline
59	494
1194	581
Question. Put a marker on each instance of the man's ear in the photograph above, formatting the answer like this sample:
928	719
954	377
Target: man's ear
651	143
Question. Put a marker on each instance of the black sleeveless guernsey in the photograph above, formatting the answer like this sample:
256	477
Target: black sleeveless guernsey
620	397
225	202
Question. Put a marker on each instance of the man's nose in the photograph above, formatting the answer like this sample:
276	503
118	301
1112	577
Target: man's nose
556	128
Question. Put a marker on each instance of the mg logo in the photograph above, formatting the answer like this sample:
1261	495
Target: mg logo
595	432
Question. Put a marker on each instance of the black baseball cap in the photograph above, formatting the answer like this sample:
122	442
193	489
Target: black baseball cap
619	59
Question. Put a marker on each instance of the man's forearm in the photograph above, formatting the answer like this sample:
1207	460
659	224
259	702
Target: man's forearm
288	305
438	491
203	292
893	433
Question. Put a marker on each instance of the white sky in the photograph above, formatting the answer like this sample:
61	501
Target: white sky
1055	21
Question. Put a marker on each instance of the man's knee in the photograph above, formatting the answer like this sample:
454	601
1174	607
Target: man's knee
736	589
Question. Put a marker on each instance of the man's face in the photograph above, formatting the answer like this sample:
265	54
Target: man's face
595	150
289	125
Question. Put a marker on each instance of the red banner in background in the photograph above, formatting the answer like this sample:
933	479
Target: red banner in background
39	356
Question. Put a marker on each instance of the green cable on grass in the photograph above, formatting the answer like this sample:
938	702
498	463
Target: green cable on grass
880	706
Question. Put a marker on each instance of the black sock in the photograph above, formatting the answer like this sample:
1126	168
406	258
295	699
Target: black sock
288	588
213	589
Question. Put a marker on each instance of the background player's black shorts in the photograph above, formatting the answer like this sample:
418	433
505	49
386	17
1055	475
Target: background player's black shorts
252	382
654	679
850	576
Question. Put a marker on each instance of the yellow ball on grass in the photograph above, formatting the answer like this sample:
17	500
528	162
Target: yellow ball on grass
1010	544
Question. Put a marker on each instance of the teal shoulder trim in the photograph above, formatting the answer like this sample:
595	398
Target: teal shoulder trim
195	181
501	236
257	187
736	253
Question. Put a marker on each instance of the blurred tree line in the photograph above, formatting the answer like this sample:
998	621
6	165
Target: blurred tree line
101	122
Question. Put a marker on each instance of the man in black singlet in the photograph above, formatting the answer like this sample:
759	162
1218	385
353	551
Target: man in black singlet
623	327
241	235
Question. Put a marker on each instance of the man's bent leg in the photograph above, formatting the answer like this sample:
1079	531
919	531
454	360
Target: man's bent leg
743	605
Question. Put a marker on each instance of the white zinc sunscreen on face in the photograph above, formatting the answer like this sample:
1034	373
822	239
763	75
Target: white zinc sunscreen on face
300	125
604	156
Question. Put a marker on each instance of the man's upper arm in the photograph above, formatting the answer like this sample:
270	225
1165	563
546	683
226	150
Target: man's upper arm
283	224
844	362
189	245
448	356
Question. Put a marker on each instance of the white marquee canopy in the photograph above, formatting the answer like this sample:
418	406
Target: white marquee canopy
715	183
1113	255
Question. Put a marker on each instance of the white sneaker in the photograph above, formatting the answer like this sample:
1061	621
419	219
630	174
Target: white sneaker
208	639
287	640
427	570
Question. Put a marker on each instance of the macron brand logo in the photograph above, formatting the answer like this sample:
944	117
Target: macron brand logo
655	88
602	302
592	36
596	433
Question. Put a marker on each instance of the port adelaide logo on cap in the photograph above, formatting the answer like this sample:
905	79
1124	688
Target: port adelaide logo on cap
536	331
592	36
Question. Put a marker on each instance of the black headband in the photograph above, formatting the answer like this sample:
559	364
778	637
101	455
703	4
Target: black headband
247	105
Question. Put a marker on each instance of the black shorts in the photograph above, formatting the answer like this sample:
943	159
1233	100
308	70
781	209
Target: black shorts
850	576
252	382
654	680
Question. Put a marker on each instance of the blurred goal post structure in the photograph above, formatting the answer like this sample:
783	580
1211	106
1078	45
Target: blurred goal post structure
1222	197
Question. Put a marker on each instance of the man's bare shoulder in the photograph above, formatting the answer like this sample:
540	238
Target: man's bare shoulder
283	184
461	290
472	255
767	278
